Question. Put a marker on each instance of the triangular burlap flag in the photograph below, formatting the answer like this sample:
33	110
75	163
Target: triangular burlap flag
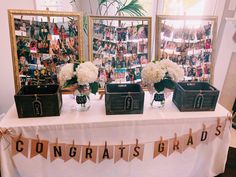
89	153
160	147
220	128
121	152
136	151
203	135
57	150
39	147
188	140
105	152
175	145
72	152
20	145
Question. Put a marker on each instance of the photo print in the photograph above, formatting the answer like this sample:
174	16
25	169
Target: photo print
21	27
143	46
132	47
132	33
121	34
142	31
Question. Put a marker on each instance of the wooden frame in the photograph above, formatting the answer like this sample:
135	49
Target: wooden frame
196	31
116	27
46	44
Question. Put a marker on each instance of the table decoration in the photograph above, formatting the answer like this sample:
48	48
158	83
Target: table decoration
82	79
124	99
195	96
161	77
38	101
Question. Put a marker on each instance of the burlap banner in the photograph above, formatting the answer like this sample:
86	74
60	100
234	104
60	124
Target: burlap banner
126	152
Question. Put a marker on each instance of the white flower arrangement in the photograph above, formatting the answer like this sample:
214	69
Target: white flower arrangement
86	73
172	69
152	73
76	75
163	74
66	73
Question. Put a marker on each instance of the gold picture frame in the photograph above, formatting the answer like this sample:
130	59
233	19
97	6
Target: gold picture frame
189	41
41	42
121	45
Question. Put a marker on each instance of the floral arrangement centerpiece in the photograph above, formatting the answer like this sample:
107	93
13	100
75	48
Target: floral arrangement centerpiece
160	75
81	78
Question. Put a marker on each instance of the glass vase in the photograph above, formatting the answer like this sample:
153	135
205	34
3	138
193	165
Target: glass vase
158	99
82	98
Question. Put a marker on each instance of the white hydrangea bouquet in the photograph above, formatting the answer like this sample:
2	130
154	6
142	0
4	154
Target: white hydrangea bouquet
78	76
162	74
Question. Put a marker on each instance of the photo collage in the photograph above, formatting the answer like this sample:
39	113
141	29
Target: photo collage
120	51
189	47
42	47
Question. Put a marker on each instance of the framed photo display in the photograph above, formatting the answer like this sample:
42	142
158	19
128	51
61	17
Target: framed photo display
41	42
188	41
120	47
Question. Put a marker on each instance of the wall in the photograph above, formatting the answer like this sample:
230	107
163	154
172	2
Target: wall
7	88
225	50
229	10
228	93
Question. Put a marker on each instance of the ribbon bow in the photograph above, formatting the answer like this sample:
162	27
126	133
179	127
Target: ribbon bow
7	134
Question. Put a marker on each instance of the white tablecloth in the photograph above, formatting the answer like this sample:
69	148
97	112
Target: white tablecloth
207	160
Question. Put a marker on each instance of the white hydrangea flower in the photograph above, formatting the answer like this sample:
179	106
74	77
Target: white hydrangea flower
152	73
66	73
86	73
173	69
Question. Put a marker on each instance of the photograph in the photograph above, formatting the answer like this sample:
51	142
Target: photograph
143	46
98	30
121	34
132	47
143	58
142	31
43	46
132	33
21	26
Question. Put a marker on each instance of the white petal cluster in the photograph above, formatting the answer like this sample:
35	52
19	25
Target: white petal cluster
86	73
173	69
66	73
152	73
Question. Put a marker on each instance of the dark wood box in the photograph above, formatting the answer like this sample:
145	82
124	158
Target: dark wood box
124	99
195	96
38	101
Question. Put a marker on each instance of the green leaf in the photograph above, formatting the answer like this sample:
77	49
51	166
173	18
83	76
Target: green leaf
159	86
75	66
93	87
168	83
100	2
71	82
133	8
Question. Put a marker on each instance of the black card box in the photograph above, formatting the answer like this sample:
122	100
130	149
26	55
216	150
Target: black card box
38	101
195	96
124	99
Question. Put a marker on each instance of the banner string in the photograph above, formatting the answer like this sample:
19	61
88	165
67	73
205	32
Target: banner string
8	133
